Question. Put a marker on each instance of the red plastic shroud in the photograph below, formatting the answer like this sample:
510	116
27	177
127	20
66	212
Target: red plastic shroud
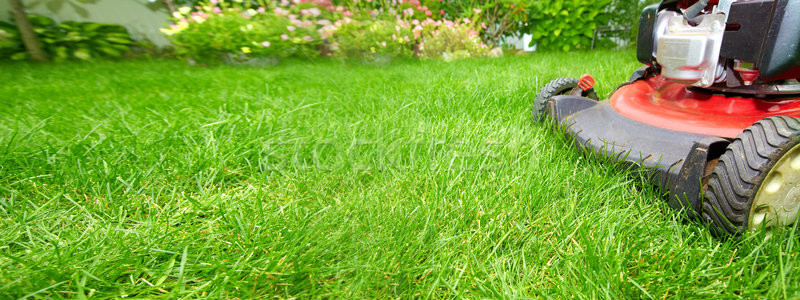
671	105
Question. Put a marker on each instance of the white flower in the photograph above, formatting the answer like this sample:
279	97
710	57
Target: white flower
185	10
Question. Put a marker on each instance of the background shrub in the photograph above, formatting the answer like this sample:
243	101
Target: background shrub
497	19
361	30
67	40
450	40
372	40
213	30
391	28
626	13
10	41
566	24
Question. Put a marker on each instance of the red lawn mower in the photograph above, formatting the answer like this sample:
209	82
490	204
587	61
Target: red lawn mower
714	116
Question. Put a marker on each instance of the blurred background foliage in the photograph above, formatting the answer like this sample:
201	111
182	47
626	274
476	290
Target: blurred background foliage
214	29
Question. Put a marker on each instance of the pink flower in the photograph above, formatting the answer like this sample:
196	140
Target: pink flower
428	12
284	37
408	12
314	11
477	10
290	28
265	43
483	24
466	21
441	12
215	2
308	38
383	44
261	10
217	10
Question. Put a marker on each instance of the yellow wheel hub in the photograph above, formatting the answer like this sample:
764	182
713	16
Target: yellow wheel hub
778	199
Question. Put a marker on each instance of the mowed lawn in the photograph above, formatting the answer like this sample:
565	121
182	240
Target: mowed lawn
321	179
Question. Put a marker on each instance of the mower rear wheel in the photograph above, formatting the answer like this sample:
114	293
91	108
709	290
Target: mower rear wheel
558	86
756	183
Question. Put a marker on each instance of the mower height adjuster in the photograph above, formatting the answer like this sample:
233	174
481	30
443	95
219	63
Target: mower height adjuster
586	82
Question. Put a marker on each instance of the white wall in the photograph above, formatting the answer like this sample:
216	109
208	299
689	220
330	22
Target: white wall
520	43
142	17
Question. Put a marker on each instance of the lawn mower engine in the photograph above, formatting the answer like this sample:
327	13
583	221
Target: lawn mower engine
713	116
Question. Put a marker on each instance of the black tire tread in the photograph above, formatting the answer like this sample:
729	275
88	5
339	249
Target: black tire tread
555	87
741	169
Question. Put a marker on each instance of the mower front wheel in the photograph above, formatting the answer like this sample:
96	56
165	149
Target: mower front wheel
558	86
756	183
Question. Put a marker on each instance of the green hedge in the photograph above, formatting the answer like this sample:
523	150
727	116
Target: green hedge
570	24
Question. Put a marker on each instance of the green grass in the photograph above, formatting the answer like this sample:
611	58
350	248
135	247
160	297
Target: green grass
415	179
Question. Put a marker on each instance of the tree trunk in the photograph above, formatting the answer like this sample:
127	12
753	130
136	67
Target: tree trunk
170	6
26	31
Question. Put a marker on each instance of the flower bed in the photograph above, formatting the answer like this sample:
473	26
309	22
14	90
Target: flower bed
220	29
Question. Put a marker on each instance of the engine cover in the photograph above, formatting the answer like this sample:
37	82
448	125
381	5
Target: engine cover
689	54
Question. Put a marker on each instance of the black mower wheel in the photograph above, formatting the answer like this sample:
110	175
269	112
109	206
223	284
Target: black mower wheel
756	182
558	86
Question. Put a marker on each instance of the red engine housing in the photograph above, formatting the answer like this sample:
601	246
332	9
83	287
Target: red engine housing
676	106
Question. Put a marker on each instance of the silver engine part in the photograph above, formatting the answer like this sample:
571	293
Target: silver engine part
687	53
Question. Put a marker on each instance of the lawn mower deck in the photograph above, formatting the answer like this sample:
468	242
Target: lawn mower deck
675	133
675	160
